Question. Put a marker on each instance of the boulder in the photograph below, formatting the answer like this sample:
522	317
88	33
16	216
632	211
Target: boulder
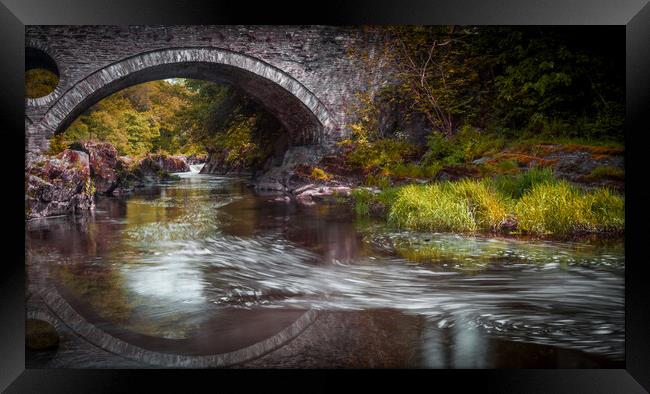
148	167
274	179
58	185
103	161
217	163
196	159
309	193
303	188
284	199
508	225
172	163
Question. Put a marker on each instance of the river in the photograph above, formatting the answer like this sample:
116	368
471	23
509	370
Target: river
204	266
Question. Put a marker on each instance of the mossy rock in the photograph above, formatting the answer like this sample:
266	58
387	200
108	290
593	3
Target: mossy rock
40	335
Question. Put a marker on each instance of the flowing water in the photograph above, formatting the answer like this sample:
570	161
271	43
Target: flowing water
205	266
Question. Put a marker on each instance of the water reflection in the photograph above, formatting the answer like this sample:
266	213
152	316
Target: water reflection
203	260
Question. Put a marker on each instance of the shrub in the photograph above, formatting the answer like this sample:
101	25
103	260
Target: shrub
57	144
39	82
362	199
384	153
320	174
379	181
439	147
464	146
431	170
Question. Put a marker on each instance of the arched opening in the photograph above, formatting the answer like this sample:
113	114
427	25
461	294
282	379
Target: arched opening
303	116
179	119
41	73
302	126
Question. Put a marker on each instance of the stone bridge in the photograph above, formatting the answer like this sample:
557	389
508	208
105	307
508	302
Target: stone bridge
307	76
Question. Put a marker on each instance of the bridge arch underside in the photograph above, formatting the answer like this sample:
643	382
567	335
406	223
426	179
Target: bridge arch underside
304	125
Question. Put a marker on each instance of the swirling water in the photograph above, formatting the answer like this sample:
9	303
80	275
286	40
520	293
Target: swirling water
205	257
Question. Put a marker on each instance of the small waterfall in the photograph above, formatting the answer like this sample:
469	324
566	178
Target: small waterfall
196	168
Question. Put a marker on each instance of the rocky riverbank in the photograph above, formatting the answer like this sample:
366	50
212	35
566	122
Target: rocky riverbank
332	178
68	182
58	185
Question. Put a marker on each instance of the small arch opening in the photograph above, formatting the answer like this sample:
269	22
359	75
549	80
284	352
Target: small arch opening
41	73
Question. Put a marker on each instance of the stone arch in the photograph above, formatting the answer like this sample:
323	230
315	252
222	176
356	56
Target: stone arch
302	114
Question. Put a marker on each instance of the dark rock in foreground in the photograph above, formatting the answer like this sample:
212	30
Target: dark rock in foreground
103	161
66	184
58	185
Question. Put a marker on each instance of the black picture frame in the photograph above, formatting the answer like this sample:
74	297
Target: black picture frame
633	15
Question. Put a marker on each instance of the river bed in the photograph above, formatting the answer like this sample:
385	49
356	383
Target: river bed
204	266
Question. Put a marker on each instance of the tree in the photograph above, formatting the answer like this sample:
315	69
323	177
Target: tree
436	76
504	78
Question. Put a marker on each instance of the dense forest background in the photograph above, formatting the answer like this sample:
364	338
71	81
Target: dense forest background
559	81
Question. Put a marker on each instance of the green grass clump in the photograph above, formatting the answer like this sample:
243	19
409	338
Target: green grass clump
607	172
364	199
607	210
552	208
559	208
508	166
548	207
463	206
430	207
487	206
379	181
515	186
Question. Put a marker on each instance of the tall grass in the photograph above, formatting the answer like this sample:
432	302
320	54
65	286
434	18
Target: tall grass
515	186
561	209
536	201
607	210
487	207
463	206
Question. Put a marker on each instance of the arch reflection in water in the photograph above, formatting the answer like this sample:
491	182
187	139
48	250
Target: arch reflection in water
203	264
